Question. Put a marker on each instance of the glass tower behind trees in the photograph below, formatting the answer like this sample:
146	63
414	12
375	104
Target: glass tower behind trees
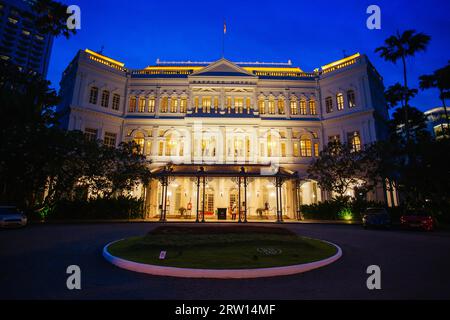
20	42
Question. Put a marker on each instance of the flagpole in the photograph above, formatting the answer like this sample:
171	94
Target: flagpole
223	37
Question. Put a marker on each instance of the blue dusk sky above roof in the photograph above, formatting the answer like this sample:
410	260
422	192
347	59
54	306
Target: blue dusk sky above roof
309	33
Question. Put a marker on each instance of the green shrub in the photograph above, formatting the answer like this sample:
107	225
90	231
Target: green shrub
102	208
337	209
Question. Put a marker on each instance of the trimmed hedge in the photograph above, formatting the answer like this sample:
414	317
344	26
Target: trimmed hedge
337	209
120	208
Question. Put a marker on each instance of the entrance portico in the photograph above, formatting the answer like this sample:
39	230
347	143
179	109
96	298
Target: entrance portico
228	193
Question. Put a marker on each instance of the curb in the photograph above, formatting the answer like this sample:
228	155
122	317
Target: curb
218	274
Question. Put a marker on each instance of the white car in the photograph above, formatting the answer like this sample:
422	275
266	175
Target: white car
11	217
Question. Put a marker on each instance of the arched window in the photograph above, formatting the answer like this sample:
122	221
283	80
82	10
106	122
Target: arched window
305	146
303	110
151	105
93	96
312	107
183	105
281	106
340	101
174	105
354	140
164	104
294	107
271	106
262	106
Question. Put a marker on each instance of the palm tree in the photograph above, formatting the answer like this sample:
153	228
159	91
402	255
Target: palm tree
399	47
395	93
440	80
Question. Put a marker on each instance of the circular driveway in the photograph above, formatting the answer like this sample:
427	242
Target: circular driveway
33	263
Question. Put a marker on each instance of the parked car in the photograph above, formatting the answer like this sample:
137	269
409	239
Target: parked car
11	217
418	219
376	217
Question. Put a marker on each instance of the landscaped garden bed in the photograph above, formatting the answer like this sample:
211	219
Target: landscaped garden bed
222	247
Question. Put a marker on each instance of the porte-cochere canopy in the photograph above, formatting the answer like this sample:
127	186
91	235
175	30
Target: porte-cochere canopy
239	191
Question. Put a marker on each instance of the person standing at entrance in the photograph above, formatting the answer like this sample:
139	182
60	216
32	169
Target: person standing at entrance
233	211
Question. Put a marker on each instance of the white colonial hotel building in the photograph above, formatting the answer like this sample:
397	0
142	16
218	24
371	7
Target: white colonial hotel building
222	135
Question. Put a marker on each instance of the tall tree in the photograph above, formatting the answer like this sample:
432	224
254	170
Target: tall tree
339	169
395	93
440	80
52	18
399	47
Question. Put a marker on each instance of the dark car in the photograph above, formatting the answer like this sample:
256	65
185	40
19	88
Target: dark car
376	217
11	217
418	219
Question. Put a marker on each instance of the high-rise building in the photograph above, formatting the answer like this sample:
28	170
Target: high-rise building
20	41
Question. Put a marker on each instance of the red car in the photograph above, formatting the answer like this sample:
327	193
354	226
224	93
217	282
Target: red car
418	219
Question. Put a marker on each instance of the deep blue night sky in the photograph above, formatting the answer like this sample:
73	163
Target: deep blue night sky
310	33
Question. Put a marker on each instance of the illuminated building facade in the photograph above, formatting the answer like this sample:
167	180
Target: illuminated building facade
226	136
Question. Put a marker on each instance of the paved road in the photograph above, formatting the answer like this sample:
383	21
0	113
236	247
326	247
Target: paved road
33	261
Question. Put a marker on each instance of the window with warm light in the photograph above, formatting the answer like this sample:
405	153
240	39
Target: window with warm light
151	105
93	96
271	106
174	105
296	149
239	105
216	104
303	110
139	140
196	104
248	105
164	104
283	149
271	146
229	101
294	108
206	104
354	140
312	107
262	106
340	101
132	105
316	150
183	105
141	104
305	147
281	106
